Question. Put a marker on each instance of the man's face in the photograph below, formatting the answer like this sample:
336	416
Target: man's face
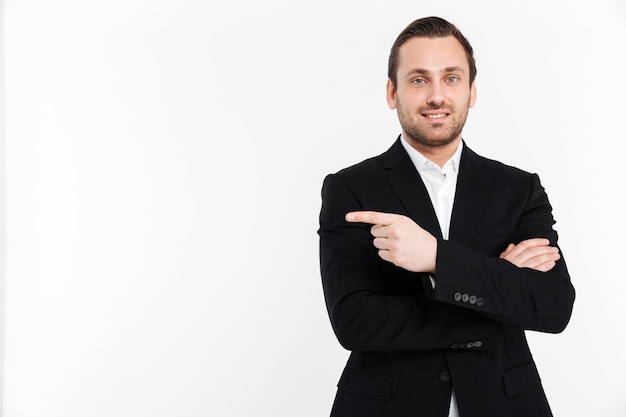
432	93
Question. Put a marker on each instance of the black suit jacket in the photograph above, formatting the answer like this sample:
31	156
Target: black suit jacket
411	344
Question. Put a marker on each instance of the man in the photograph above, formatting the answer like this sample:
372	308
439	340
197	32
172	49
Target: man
436	260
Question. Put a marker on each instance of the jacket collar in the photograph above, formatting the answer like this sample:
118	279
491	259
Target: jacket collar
400	173
473	185
472	190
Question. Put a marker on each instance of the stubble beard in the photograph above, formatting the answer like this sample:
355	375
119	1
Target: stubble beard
432	134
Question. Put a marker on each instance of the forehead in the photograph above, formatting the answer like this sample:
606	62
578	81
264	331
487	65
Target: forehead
432	54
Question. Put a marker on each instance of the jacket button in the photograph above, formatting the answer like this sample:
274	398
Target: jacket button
444	377
478	343
457	296
472	299
480	302
464	298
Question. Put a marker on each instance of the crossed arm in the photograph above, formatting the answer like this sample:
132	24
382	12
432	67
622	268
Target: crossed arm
404	243
374	305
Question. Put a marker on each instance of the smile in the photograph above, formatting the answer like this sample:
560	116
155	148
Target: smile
436	116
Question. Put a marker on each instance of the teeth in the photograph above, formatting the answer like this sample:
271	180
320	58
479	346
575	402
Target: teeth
435	116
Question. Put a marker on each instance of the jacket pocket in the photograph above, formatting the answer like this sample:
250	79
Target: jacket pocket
366	383
520	379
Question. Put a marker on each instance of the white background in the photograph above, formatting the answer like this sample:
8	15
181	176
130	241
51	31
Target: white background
163	167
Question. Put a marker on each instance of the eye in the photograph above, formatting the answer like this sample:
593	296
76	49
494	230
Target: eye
419	81
452	79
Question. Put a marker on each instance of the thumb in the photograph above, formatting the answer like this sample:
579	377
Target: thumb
507	250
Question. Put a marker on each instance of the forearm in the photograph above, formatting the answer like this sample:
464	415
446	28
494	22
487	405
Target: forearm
517	297
369	321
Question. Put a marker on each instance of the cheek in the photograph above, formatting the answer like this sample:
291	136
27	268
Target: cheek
463	101
409	101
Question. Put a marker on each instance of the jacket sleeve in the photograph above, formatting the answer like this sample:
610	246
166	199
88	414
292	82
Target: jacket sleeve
517	297
364	314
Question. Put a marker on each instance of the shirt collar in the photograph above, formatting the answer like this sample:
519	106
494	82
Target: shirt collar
422	163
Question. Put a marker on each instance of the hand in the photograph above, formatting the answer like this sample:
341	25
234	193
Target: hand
400	240
532	253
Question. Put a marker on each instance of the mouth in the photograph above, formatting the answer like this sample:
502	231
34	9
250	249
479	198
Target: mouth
436	115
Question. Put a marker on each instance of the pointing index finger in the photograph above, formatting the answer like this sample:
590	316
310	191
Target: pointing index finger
371	217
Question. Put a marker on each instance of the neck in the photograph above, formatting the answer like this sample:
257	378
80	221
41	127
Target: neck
438	154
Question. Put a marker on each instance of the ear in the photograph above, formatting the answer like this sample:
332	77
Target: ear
473	94
391	95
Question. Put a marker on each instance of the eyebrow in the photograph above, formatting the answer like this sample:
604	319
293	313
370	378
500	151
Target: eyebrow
422	71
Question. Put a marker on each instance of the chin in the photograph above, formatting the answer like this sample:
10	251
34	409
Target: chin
431	142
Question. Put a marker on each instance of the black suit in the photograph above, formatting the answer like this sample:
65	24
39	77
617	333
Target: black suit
411	344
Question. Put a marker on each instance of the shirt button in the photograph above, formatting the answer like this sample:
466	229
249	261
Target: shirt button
444	377
445	198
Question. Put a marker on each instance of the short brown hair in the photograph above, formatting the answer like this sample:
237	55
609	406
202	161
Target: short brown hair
429	27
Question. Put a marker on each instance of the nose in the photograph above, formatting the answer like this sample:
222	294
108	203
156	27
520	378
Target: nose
435	95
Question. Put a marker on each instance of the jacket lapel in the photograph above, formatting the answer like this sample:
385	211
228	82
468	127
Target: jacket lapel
400	173
472	190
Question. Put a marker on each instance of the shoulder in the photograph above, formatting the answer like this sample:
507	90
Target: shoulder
355	179
492	166
508	180
367	179
373	166
364	167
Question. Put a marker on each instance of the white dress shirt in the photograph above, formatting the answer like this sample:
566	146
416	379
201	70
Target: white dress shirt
441	186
